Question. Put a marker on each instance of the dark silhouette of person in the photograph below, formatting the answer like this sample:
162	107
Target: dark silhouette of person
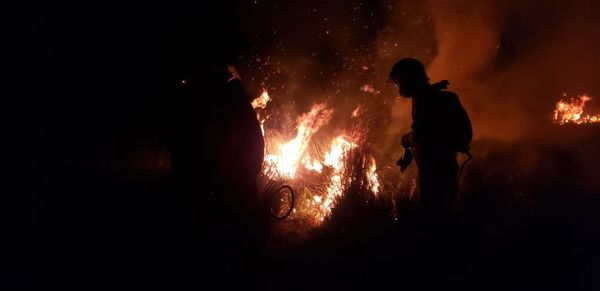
222	166
441	128
217	153
236	153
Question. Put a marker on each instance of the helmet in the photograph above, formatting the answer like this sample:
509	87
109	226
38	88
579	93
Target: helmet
408	69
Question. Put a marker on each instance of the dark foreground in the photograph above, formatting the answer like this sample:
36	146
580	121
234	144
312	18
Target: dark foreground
514	230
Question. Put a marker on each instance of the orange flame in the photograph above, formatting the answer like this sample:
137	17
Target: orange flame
285	162
262	100
372	178
572	111
335	159
285	159
312	165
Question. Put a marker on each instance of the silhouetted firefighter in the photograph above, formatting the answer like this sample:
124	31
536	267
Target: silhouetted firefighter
441	128
236	153
221	167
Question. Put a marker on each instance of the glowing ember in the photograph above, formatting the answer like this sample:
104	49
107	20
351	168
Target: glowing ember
234	73
356	112
368	88
571	110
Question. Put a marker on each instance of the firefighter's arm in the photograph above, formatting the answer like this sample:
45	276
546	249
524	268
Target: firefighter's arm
405	160
408	142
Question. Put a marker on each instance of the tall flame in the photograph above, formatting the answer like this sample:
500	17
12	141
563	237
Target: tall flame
335	159
287	159
372	178
571	110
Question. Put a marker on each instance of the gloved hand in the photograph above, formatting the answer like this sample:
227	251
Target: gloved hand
408	140
405	160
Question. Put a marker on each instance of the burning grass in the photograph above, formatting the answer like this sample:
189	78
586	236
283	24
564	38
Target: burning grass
321	166
572	110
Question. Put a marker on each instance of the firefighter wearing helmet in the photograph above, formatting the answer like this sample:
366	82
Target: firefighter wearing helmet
440	129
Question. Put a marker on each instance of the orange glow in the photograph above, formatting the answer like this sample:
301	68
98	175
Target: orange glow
356	112
571	110
368	88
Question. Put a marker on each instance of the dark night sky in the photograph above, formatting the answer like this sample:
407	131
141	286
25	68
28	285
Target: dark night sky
114	57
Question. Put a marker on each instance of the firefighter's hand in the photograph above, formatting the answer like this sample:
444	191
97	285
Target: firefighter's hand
405	160
408	140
